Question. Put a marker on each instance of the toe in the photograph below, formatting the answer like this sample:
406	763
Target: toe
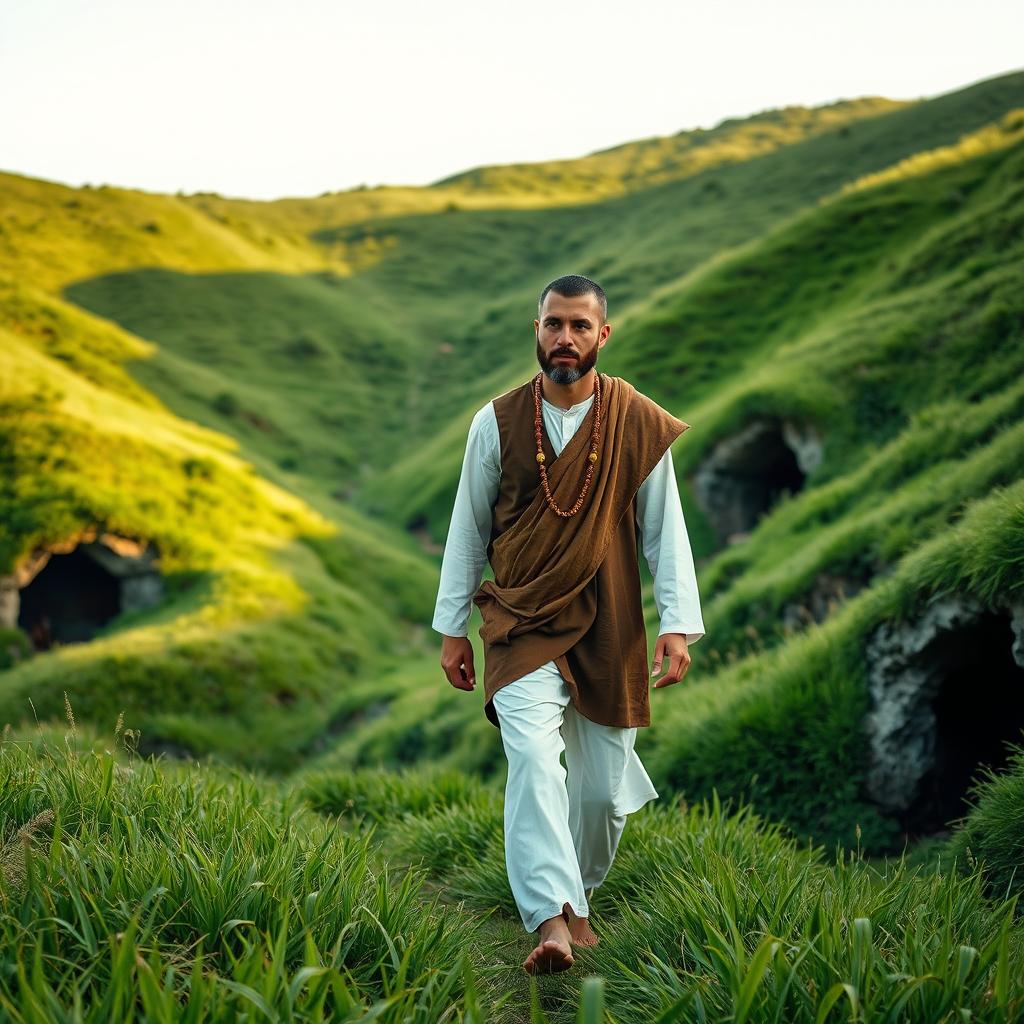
550	956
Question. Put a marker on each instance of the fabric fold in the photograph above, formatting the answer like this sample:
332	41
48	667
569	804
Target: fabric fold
544	564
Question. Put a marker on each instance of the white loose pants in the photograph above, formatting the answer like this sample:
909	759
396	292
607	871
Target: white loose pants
562	825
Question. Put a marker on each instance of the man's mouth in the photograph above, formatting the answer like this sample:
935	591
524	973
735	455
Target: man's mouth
564	355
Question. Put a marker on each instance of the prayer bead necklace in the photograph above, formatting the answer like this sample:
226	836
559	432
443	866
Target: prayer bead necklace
595	433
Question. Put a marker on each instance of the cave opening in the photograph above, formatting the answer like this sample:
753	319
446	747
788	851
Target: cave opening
746	474
978	708
68	592
68	600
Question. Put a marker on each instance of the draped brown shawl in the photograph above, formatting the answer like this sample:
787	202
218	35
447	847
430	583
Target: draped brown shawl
545	601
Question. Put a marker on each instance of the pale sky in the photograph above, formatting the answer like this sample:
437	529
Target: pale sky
268	99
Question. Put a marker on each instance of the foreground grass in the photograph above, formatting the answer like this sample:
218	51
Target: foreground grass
140	888
134	888
710	914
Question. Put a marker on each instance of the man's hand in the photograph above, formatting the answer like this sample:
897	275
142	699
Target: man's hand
457	661
672	646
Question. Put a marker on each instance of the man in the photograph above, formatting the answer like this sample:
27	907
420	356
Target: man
560	477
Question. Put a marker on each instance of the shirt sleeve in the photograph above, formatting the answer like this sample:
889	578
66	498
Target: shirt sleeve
666	547
465	550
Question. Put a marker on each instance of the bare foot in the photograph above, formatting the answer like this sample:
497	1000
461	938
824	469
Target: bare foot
553	953
580	932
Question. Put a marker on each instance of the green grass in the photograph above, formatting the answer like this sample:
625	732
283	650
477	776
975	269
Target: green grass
275	395
991	837
132	885
333	404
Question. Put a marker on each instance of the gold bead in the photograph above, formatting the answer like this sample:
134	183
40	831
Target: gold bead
540	456
592	456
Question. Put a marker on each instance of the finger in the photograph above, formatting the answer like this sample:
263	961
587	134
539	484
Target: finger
669	676
659	650
668	672
465	674
454	677
679	663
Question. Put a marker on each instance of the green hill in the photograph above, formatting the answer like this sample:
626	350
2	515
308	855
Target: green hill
271	400
273	396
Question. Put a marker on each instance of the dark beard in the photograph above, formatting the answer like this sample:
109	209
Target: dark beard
567	373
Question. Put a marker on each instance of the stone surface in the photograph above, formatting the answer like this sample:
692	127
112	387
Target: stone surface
10	601
807	444
1017	625
903	681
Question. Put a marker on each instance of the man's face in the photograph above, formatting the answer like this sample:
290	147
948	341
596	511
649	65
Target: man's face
569	335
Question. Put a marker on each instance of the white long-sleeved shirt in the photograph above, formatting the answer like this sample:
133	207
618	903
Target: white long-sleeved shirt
659	516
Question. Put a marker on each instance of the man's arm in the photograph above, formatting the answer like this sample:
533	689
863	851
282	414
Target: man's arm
465	550
666	547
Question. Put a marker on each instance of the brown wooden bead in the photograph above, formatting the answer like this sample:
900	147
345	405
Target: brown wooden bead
592	457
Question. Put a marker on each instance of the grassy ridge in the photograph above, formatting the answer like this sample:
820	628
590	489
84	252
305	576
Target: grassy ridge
337	346
923	463
247	655
271	392
637	165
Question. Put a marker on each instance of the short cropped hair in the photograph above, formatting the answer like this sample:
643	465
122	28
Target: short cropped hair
573	285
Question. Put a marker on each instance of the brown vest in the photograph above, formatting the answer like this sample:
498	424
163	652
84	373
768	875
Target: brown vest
568	589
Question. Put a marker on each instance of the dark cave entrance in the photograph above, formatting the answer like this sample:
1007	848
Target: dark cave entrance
746	474
978	707
68	600
68	592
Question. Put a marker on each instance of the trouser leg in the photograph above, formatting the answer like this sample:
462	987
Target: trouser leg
606	782
540	855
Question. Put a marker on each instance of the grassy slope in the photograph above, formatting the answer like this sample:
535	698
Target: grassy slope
280	633
131	888
250	655
294	295
903	343
247	656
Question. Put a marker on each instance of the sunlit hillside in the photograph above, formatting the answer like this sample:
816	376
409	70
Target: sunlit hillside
230	436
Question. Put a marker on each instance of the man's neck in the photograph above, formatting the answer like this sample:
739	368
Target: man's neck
566	395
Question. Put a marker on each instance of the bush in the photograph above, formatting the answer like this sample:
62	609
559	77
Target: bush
14	647
992	833
226	404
